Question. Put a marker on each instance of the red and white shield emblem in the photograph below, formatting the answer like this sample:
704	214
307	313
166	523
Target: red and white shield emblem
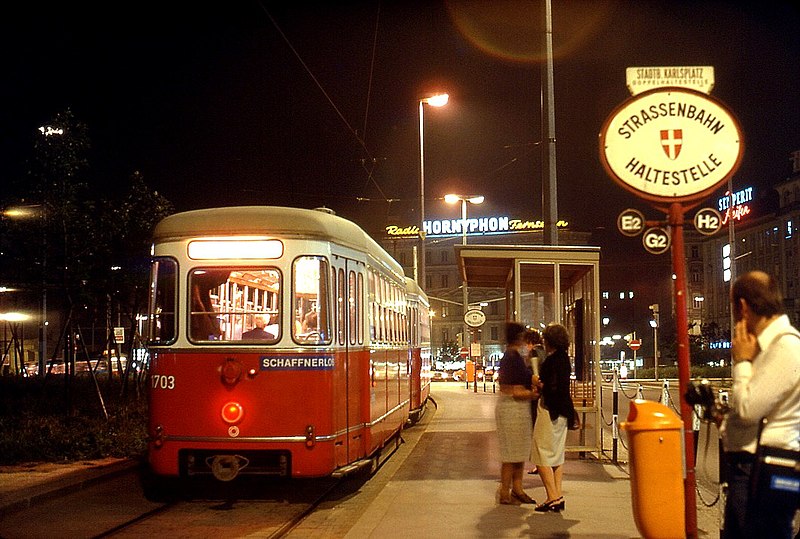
671	142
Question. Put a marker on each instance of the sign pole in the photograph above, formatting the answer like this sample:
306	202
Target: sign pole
653	146
682	322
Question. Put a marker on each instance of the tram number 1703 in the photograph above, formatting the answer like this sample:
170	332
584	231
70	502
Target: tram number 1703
163	381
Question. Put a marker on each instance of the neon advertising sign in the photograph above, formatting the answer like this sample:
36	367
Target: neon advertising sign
735	206
474	226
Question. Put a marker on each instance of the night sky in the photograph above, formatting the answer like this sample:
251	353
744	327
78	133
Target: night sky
290	103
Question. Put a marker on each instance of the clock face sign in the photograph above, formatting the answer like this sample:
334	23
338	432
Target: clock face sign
671	145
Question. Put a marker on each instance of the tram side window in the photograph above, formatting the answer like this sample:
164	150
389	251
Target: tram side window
360	309
353	307
234	304
162	301
311	300
340	306
373	306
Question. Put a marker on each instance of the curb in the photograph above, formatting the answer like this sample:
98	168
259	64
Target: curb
67	483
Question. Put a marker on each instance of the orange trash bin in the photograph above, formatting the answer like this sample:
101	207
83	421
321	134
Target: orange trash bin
656	455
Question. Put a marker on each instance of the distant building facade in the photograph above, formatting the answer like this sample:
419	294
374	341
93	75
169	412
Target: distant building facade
765	235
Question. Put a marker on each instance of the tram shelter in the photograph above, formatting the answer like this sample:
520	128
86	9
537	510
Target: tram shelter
543	284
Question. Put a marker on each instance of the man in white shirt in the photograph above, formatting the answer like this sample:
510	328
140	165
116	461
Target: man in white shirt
765	350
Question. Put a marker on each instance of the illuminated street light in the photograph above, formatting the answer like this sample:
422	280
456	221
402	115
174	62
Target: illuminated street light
654	325
472	199
14	317
436	100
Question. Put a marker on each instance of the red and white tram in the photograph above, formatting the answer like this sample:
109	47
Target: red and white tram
337	364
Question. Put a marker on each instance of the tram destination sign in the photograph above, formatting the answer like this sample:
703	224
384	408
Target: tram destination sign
671	145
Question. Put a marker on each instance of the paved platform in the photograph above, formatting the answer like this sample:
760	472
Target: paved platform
441	482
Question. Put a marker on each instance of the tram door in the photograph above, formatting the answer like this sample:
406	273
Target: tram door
348	342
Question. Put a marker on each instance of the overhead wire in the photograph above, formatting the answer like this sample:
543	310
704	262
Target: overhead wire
369	158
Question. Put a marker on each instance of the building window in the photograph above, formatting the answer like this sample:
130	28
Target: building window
493	331
695	251
445	281
444	256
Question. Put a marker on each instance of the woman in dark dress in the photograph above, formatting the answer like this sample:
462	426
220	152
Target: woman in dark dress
513	415
555	410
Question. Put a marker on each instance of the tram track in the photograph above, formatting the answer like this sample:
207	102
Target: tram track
269	509
245	506
130	523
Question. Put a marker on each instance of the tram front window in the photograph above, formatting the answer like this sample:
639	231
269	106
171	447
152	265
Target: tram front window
161	310
234	304
311	316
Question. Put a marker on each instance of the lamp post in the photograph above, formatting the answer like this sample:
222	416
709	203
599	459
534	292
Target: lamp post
654	325
436	100
698	300
472	199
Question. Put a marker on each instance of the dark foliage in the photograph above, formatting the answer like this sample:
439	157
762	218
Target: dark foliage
35	424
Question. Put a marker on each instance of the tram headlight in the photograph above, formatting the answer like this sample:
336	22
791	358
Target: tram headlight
232	412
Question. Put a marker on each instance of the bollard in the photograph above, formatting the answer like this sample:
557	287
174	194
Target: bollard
698	411
639	393
665	393
615	416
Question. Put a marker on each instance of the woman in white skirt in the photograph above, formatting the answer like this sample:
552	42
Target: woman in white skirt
513	415
555	408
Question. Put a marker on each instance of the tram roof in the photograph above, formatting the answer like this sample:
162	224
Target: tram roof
276	221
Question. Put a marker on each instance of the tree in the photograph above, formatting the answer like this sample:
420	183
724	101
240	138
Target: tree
88	254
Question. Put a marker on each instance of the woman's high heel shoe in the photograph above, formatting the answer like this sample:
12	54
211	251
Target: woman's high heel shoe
555	506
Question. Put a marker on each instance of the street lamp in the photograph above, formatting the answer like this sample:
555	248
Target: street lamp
472	199
654	325
436	100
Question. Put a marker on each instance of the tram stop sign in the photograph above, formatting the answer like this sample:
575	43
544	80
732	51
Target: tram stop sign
671	145
656	240
708	221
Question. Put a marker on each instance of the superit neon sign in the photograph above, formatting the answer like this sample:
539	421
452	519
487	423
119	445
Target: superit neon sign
735	206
